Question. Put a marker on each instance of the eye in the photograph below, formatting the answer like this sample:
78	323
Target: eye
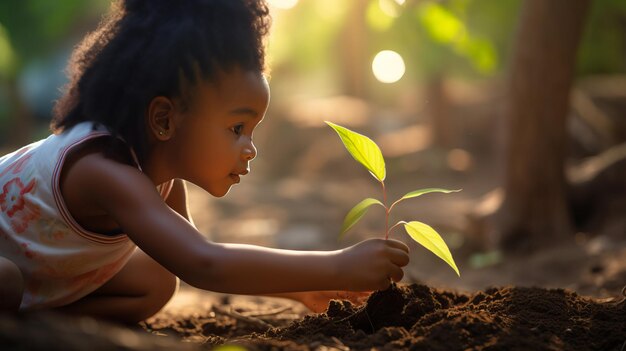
237	129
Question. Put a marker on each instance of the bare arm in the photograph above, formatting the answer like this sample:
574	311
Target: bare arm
131	199
315	300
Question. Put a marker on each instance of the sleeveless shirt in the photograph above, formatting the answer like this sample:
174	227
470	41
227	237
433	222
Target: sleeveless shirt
60	261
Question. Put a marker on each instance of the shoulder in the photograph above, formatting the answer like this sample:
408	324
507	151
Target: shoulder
95	180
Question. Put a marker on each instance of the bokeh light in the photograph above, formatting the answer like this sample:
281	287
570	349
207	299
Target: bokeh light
388	66
389	7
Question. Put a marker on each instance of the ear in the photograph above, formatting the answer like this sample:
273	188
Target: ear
161	112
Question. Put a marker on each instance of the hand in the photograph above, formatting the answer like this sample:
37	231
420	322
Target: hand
371	264
317	301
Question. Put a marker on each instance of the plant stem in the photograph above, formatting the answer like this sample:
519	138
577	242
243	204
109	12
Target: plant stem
395	225
387	210
395	203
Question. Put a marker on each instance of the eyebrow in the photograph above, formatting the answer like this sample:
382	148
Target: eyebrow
244	111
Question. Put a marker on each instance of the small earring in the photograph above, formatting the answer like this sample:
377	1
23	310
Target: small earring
161	132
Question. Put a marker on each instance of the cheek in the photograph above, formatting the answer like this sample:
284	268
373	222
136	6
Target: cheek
216	151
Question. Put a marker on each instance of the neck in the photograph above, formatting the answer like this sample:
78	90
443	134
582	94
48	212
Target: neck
155	168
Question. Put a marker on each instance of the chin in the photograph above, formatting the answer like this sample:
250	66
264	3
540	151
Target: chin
215	188
218	192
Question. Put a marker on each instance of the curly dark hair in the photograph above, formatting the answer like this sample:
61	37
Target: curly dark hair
148	48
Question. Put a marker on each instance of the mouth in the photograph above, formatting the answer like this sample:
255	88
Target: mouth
236	175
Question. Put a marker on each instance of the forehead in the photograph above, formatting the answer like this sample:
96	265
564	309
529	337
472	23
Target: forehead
236	85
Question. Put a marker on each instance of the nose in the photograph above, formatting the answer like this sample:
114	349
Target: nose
249	151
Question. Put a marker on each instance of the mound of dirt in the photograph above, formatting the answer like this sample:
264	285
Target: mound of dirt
416	317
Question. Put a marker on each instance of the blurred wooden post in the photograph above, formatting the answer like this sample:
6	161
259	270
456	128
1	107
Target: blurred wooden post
352	49
438	109
535	211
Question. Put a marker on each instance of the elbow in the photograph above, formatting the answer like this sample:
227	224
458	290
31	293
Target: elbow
202	271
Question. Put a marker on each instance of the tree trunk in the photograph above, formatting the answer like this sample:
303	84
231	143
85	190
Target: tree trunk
438	109
352	46
535	211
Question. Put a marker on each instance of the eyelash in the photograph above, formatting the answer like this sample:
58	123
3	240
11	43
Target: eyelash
238	129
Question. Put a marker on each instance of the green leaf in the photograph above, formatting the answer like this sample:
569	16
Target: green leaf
356	213
417	193
442	25
363	149
426	236
229	348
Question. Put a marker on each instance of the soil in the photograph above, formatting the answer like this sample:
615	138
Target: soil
417	317
407	317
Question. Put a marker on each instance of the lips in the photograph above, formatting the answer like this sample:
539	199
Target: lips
236	176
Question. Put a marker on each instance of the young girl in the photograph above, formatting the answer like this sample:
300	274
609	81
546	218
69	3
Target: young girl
163	91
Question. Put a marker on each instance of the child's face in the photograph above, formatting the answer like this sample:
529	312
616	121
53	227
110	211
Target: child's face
213	138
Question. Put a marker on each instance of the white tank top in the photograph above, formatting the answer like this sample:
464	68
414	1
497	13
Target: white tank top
60	261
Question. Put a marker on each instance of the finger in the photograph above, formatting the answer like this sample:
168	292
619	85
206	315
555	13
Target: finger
399	257
384	283
398	245
396	273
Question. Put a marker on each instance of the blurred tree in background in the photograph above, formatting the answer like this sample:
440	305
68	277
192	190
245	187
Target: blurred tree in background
535	210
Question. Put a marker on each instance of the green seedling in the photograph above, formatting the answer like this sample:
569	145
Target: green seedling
366	152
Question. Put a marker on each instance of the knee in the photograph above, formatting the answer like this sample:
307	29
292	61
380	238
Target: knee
164	286
11	286
165	289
